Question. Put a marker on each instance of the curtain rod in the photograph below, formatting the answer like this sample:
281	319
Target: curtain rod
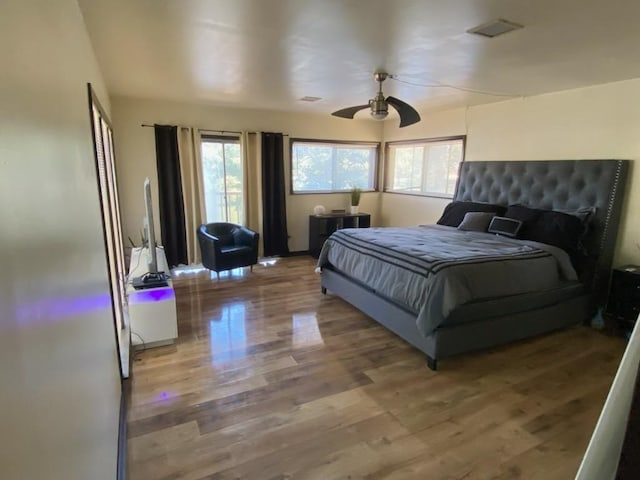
212	131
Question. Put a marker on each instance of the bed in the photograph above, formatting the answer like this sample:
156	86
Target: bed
448	291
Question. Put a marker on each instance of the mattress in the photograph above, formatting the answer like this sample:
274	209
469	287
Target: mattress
436	271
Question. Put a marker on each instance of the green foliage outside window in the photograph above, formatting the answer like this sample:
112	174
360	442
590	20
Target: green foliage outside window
327	167
223	180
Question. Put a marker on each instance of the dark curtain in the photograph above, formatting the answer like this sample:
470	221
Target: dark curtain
274	223
172	226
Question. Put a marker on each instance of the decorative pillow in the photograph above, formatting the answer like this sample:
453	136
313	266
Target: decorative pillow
476	221
508	227
585	215
528	217
454	212
559	229
548	226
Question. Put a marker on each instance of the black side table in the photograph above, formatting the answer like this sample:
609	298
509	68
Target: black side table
623	304
322	226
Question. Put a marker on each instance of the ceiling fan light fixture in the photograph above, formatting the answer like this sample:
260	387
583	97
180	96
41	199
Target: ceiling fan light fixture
379	115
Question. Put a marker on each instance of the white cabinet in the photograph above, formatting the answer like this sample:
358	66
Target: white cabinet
152	311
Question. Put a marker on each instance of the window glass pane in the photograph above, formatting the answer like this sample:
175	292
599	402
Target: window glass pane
437	167
213	179
456	154
355	168
313	167
223	181
426	167
408	168
234	183
326	167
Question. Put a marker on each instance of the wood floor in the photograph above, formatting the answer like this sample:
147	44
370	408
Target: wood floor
272	380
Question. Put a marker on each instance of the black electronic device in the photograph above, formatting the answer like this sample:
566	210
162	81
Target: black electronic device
152	258
508	227
150	280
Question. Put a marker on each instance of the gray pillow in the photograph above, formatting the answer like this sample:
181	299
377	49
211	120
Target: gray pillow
476	221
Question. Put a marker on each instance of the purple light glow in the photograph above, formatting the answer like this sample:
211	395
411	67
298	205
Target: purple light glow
165	397
152	295
52	309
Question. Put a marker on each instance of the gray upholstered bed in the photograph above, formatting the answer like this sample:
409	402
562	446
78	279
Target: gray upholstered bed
565	185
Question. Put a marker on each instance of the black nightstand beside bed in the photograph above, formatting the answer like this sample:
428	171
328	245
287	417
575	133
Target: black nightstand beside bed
623	305
322	226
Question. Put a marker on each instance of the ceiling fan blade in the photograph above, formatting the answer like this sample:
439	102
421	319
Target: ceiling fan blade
349	112
408	114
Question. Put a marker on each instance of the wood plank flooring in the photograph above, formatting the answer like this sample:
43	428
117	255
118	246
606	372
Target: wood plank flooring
272	380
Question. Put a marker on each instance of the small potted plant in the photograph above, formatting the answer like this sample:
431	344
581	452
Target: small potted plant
355	199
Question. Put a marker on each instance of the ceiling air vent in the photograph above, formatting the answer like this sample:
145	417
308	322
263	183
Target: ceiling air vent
311	99
494	28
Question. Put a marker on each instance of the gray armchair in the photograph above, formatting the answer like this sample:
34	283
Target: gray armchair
226	245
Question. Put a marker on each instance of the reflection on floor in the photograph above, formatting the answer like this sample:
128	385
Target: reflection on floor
187	270
305	330
235	272
271	379
228	333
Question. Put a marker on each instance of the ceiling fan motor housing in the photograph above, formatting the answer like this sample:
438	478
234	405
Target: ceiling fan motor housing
379	107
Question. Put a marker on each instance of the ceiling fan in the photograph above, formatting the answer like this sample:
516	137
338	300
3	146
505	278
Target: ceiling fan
380	106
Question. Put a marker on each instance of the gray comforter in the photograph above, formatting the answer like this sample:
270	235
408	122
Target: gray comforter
431	270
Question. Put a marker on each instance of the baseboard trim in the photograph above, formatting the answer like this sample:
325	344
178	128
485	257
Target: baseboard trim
122	432
298	253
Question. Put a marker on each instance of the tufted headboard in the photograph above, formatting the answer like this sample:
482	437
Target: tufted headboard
558	185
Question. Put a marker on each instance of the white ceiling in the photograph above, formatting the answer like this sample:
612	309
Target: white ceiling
270	53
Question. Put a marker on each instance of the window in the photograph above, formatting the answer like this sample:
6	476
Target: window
223	180
324	166
424	167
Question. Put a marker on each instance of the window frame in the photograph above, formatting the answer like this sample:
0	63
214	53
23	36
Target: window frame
376	166
387	166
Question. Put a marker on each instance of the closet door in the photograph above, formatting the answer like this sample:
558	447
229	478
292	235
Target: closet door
112	229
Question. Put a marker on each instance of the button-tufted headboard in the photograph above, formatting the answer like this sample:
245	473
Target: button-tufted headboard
558	185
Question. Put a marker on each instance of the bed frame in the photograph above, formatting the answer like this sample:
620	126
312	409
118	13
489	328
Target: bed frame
553	184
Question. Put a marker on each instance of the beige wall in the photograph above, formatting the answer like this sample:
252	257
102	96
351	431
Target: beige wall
400	210
596	122
136	159
58	365
587	123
